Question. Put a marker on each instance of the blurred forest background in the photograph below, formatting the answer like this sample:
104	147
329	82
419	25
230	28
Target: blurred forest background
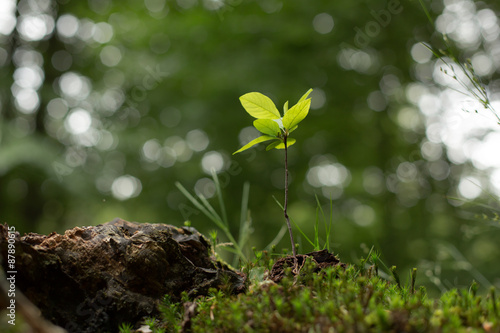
104	105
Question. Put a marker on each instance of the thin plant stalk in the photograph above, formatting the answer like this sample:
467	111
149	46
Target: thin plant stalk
286	206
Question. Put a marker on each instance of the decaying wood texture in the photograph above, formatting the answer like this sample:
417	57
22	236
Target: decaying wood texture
90	279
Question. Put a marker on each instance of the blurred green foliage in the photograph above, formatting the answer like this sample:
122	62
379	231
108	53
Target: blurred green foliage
106	104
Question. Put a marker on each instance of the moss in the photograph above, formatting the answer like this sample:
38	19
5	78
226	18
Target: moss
338	300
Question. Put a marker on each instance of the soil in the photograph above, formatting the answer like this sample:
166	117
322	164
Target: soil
321	260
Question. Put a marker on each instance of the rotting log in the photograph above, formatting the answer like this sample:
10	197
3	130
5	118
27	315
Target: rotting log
91	279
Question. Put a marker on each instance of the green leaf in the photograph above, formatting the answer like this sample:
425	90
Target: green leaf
254	142
267	126
303	98
273	145
259	106
285	107
292	129
296	114
289	142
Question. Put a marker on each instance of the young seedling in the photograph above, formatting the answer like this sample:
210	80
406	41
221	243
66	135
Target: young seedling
276	129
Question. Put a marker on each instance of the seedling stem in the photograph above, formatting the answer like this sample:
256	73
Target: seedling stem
286	207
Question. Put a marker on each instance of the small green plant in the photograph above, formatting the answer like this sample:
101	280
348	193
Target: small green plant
126	328
150	322
172	312
276	129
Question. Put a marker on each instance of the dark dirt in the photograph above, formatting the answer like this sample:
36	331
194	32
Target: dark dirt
321	260
91	279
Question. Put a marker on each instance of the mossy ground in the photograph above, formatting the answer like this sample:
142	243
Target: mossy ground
337	299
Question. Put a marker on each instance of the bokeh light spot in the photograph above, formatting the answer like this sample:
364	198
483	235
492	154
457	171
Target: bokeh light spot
330	176
155	6
126	187
318	98
110	55
420	53
86	30
376	101
205	188
7	16
35	27
27	101
197	140
29	77
57	108
363	215
74	85
407	171
103	32
67	26
180	148
357	60
78	121
151	150
247	134
409	118
483	65
212	160
323	23
167	157
431	151
469	187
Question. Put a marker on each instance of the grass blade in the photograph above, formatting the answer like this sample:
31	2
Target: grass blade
216	217
245	220
194	201
426	11
219	196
